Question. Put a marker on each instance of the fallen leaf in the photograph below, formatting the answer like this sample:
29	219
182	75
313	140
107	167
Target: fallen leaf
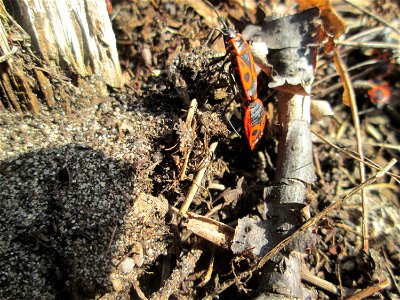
249	5
348	93
332	22
239	9
203	9
250	237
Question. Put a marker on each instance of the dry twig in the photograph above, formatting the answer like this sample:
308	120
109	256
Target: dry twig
185	266
188	124
369	291
379	19
378	45
298	232
319	282
197	180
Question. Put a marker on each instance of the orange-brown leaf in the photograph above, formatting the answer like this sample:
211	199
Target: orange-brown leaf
333	24
204	10
348	93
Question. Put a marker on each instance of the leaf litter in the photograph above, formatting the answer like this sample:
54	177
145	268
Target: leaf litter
90	198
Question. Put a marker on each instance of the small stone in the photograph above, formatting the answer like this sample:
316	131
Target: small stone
117	284
22	128
138	257
127	265
46	131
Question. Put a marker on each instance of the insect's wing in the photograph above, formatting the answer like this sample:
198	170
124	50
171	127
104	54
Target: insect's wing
245	67
254	119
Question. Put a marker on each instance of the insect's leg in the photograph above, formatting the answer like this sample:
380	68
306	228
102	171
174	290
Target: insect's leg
216	60
212	41
234	111
234	91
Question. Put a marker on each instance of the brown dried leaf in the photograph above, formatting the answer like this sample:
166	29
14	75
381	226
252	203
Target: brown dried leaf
204	10
239	9
248	5
348	93
233	195
333	24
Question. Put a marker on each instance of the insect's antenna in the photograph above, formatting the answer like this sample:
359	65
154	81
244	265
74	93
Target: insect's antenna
219	17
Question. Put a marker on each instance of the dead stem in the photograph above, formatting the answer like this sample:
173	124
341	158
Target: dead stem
298	232
8	55
319	282
369	291
185	266
138	289
365	161
378	45
352	68
197	180
383	145
210	268
351	97
188	123
379	19
338	85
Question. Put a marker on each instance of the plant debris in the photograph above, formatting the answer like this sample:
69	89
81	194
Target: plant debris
150	191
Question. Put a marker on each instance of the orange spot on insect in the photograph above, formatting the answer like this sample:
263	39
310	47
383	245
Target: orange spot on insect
247	76
255	132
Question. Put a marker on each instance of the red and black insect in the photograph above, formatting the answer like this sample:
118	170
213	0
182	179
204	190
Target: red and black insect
242	64
254	119
245	77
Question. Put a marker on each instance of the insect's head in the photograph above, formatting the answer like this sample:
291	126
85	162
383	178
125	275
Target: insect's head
228	33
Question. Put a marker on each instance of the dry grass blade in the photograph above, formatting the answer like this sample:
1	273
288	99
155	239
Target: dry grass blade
304	227
377	45
365	161
373	16
349	99
188	123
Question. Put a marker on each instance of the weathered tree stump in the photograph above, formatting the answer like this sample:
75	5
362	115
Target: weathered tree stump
71	39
